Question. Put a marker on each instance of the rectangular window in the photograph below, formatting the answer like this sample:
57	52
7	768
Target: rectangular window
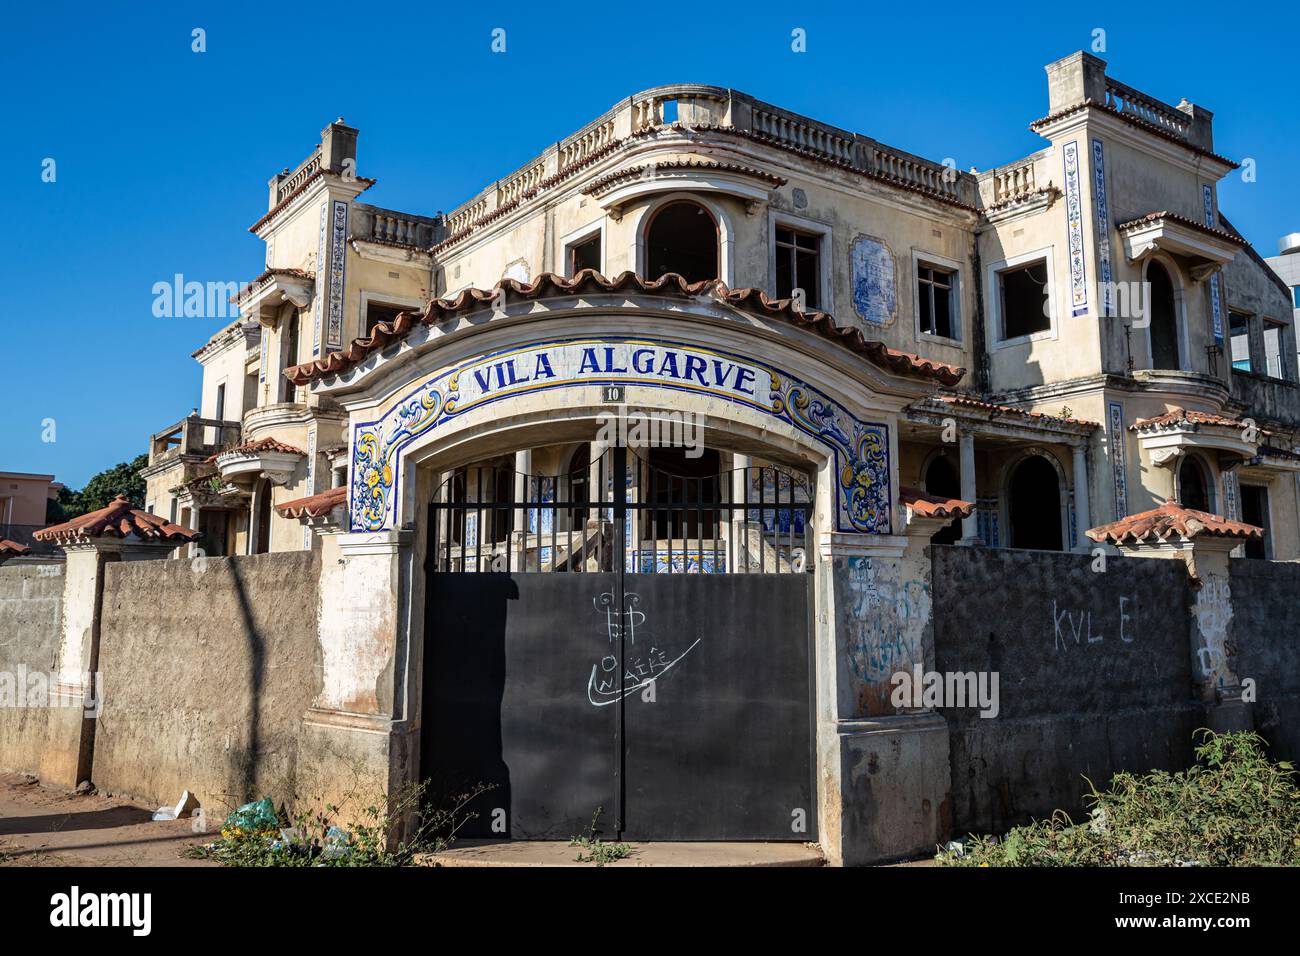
1274	358
1254	510
936	295
1239	326
1295	296
584	255
221	402
1024	297
377	312
798	265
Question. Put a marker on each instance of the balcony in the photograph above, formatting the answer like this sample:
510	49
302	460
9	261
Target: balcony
191	439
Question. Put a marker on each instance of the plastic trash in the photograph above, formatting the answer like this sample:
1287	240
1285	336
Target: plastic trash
338	844
253	817
176	812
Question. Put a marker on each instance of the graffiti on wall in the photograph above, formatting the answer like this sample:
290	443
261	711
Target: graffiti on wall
884	621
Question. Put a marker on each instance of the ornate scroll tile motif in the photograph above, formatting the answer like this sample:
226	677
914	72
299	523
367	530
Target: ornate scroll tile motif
1115	435
1216	300
338	261
318	300
860	449
1103	224
1074	225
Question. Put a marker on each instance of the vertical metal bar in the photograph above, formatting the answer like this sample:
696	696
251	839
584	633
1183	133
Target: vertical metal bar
523	560
654	521
699	518
762	514
620	519
717	518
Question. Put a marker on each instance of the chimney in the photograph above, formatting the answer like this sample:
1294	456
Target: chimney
1074	79
338	143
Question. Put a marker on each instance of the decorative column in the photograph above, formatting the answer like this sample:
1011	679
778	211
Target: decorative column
1082	514
970	534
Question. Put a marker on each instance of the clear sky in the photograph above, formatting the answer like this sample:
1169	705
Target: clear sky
162	154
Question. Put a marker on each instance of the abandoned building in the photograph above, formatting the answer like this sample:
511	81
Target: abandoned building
922	392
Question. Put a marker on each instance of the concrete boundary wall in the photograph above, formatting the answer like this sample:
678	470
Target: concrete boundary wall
1095	676
209	666
1266	630
31	603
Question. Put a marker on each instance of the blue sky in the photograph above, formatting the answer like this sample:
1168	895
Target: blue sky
163	154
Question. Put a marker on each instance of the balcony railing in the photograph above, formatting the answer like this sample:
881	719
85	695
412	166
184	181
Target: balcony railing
192	437
714	107
1135	103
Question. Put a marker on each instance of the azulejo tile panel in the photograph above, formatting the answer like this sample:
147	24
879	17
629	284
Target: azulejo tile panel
860	449
1216	299
1074	226
1103	224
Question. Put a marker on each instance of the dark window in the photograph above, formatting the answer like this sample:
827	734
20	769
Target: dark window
1254	510
1274	353
579	483
377	312
1035	505
291	351
214	525
941	479
221	402
682	238
1239	340
798	265
1160	312
584	255
1193	489
1024	300
263	540
936	291
670	478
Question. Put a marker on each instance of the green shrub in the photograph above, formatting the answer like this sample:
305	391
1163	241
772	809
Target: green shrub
1233	808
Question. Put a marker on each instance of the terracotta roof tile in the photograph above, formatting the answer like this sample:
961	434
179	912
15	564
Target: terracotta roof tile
314	506
119	519
1182	221
931	506
1179	415
1132	121
1171	519
964	401
256	447
590	281
264	278
9	549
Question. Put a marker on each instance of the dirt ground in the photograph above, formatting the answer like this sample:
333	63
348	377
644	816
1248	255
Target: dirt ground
44	827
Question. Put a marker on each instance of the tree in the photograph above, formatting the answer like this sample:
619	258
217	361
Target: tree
121	479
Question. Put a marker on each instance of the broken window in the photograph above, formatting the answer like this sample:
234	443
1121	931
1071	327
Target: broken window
1025	308
1035	505
682	238
936	291
584	254
798	265
1239	340
1274	360
1254	510
377	312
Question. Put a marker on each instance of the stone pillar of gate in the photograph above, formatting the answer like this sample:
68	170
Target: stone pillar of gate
883	773
360	738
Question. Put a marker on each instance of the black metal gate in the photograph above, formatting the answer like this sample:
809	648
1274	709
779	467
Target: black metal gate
627	641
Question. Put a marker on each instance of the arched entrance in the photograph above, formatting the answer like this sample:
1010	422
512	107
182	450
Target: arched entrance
666	718
1034	505
682	237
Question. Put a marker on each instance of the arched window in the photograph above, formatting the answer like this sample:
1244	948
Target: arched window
682	237
1194	485
1035	505
1161	309
941	480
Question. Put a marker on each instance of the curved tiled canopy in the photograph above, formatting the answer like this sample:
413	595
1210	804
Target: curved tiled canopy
314	506
589	281
933	506
1172	520
119	519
